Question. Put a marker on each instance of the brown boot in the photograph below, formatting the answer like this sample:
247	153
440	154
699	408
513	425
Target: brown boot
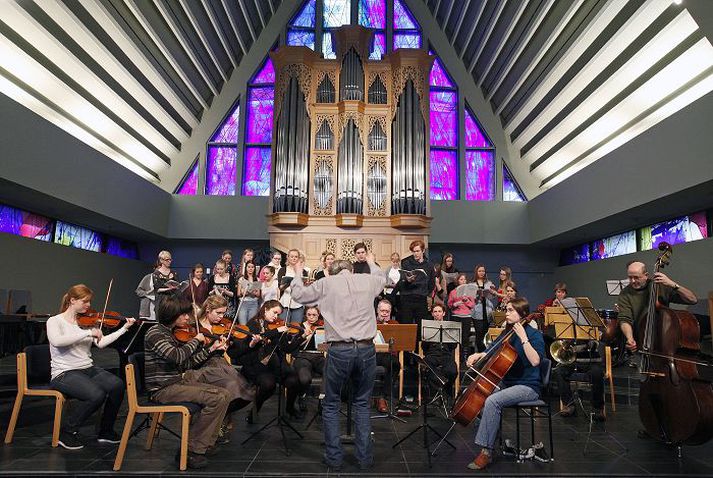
481	461
382	405
569	411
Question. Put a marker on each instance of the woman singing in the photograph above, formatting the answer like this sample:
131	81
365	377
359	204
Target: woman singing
164	279
222	283
249	289
483	310
461	310
74	372
520	384
197	290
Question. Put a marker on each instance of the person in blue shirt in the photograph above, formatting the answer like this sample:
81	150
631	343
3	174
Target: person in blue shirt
520	384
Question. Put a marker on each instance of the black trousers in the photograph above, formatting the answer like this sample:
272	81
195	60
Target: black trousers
563	374
412	310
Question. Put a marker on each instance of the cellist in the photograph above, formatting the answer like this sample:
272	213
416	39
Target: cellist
521	383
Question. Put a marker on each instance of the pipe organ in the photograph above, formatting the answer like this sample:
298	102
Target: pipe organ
350	149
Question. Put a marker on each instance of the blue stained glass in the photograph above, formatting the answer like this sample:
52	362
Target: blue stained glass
403	18
257	169
676	231
474	136
260	107
122	248
575	255
221	165
76	236
306	16
336	13
327	48
480	175
612	246
407	40
438	76
444	174
22	223
378	47
511	191
297	37
189	187
266	74
228	131
372	14
444	118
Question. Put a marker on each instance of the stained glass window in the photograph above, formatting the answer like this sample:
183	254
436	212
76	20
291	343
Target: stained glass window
22	223
189	185
575	255
336	13
299	37
511	191
221	164
327	47
479	175
474	135
121	248
438	76
444	174
372	14
406	30
444	134
301	29
444	118
378	47
613	246
306	16
76	236
407	40
257	163
676	231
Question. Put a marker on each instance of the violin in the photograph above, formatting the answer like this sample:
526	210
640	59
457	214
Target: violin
186	334
92	319
292	329
240	332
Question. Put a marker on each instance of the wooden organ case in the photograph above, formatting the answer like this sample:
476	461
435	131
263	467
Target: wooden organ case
350	149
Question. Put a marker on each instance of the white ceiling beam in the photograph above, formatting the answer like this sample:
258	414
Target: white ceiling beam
146	25
448	14
272	7
616	45
204	40
435	11
573	8
184	44
219	31
137	57
65	18
488	31
531	29
246	15
259	13
231	20
589	34
504	39
472	28
460	22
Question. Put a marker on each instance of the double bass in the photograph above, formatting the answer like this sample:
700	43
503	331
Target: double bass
490	371
675	404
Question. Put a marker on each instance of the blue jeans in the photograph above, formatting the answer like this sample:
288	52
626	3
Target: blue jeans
248	310
92	387
296	316
489	426
356	364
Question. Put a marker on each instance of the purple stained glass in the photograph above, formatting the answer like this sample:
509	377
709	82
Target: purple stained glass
266	74
228	131
444	174
372	14
256	171
511	191
402	17
76	236
679	230
336	13
221	170
575	255
297	37
474	136
260	107
306	16
479	175
444	118
438	76
327	48
378	47
407	40
617	245
190	182
22	223
122	248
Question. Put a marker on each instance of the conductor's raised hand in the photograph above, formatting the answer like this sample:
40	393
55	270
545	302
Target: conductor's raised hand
370	257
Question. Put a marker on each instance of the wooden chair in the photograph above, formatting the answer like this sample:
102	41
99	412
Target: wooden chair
608	376
39	358
156	413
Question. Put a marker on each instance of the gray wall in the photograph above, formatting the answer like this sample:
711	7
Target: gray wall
48	270
691	265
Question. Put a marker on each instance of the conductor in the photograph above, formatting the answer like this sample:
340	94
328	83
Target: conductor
347	304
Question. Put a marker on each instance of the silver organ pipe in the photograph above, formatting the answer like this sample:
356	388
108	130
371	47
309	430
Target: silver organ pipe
350	171
377	92
351	79
409	155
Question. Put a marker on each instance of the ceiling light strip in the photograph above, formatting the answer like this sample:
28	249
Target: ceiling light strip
460	22
492	23
503	40
204	40
466	44
246	16
259	13
219	31
234	27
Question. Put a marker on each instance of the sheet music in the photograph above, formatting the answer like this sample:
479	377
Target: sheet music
431	331
614	287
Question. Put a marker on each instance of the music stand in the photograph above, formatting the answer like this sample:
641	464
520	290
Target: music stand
424	413
614	287
404	336
440	332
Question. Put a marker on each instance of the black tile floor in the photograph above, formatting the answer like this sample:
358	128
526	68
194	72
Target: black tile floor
31	453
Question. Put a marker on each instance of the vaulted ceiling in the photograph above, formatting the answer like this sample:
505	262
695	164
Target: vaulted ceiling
572	80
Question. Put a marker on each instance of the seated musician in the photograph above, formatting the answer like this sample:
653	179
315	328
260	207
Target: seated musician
589	364
169	376
308	361
217	371
385	361
265	364
74	373
440	357
510	294
521	383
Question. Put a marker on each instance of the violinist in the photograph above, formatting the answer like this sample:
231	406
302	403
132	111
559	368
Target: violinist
197	285
634	298
171	375
521	383
510	294
440	357
264	364
74	372
309	361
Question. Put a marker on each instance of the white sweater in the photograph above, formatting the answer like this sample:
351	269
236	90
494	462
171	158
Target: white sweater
70	345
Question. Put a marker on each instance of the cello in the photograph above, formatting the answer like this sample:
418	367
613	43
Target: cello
675	404
490	371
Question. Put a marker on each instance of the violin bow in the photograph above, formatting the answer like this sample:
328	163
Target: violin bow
106	302
193	299
235	317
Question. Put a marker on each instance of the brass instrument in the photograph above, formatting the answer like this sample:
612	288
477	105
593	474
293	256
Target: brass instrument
564	351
